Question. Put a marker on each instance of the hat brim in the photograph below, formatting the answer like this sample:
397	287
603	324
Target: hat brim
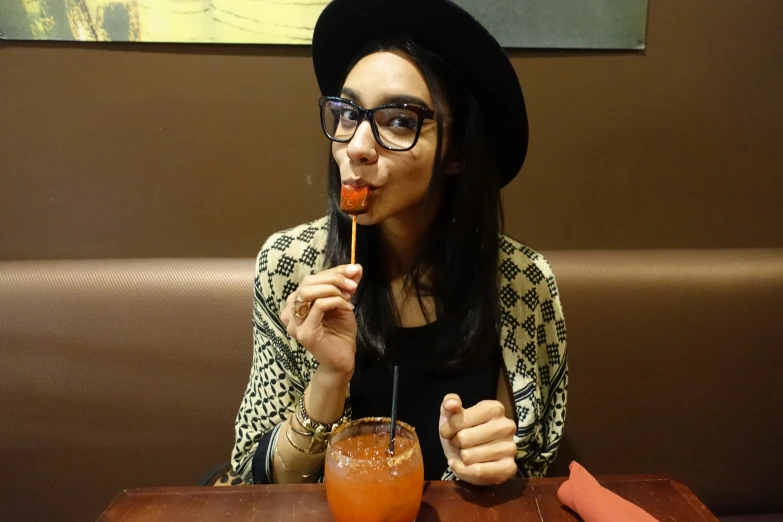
345	27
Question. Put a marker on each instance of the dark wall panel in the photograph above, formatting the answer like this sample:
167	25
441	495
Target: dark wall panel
162	150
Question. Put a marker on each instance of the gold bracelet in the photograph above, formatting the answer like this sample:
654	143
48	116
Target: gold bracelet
293	428
280	459
302	433
300	450
319	432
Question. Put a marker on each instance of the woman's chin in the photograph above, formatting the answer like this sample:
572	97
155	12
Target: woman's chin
367	219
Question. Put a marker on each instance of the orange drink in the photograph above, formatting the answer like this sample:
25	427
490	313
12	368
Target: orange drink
364	482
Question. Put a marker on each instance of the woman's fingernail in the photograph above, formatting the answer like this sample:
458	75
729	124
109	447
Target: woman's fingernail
347	295
352	269
350	283
451	462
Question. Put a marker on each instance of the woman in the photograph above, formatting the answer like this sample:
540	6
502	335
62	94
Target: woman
423	107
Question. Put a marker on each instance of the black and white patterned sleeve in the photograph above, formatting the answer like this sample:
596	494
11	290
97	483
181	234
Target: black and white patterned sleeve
551	372
533	337
275	376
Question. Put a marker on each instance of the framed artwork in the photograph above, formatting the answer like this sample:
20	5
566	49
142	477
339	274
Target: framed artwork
553	24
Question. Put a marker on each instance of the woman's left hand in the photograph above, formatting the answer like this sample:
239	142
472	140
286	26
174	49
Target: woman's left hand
478	441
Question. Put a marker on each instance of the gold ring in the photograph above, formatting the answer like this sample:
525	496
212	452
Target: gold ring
301	308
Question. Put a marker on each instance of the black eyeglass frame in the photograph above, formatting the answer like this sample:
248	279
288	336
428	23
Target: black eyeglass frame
421	113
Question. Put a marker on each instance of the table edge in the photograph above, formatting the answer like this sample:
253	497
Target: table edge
129	496
546	481
693	500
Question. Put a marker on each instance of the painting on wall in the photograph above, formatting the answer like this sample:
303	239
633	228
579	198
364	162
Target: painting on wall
563	24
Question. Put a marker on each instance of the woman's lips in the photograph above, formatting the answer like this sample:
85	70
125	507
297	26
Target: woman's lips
357	183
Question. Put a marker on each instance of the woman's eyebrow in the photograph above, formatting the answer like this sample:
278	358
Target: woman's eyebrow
349	93
405	98
389	99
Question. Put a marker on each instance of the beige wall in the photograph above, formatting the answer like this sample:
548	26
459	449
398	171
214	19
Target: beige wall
163	150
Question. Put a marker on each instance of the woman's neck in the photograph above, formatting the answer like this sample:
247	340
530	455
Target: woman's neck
401	240
402	235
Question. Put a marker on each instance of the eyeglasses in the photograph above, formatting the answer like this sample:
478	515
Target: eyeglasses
396	127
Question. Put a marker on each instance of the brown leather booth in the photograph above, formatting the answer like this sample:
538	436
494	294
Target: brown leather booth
116	374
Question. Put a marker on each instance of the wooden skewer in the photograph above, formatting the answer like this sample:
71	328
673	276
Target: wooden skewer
353	239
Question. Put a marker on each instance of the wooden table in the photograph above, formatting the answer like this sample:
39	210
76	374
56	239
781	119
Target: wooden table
518	500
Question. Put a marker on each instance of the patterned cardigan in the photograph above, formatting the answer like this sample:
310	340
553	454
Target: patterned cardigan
533	339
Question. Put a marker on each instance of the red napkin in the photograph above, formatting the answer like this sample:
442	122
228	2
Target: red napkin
594	503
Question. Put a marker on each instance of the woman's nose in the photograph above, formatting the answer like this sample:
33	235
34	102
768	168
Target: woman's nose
362	147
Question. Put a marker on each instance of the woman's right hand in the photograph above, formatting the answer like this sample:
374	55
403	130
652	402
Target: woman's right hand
328	331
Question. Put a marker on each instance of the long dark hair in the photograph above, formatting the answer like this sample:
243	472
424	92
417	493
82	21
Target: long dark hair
459	251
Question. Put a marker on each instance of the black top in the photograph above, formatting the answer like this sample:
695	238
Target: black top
422	388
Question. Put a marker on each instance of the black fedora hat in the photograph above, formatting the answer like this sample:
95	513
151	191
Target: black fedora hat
345	27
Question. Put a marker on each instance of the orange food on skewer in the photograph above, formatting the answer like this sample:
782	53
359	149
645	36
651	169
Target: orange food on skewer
354	201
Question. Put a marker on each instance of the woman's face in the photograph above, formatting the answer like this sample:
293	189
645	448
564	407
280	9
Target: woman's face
399	180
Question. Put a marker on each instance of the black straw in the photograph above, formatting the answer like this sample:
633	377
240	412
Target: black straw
395	390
